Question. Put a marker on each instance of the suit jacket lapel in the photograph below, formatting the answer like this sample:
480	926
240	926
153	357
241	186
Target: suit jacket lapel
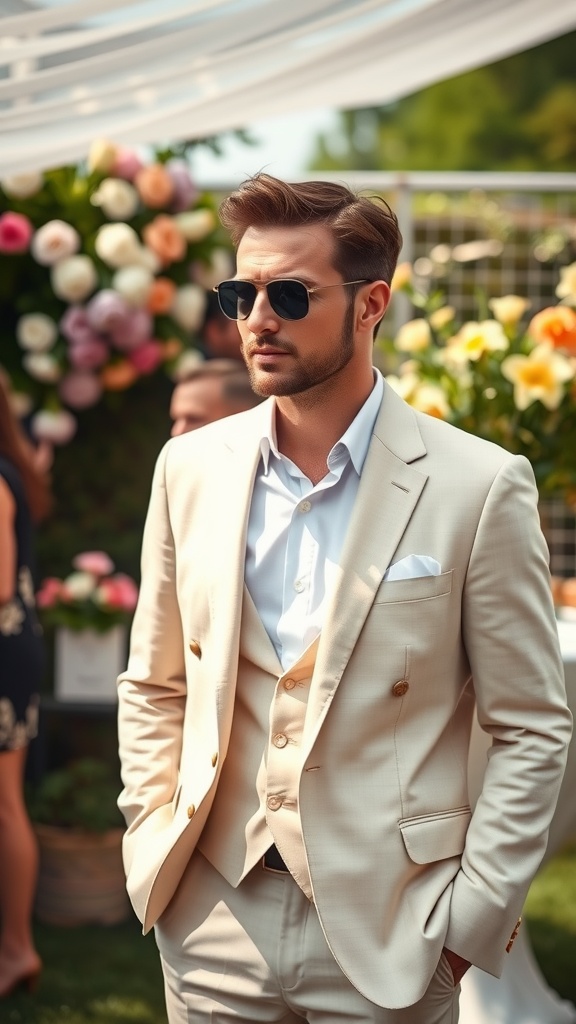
388	493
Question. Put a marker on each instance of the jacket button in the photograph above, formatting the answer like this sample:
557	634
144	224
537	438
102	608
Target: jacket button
400	688
195	648
214	760
191	811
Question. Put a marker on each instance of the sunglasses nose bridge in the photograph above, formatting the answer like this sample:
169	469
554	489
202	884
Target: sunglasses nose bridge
261	309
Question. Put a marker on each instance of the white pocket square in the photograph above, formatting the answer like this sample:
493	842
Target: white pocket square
412	566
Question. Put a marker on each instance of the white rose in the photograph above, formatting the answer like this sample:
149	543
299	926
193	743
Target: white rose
42	367
118	245
102	155
23	185
189	306
220	269
80	585
36	332
117	198
196	224
56	427
133	284
54	241
74	278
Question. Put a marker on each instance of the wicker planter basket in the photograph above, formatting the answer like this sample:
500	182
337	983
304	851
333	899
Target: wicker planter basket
81	878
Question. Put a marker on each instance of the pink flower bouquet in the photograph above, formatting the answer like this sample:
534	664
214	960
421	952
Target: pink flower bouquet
91	597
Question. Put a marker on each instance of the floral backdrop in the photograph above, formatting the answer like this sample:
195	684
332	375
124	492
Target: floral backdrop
104	270
508	376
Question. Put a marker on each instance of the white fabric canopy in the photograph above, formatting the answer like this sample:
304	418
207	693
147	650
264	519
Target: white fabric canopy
73	71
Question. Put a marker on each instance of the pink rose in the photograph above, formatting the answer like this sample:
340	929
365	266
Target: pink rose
76	328
80	389
88	354
54	241
96	562
15	232
126	164
119	592
132	331
185	191
107	311
147	357
49	592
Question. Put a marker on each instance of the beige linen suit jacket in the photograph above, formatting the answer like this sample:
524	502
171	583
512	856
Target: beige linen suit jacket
399	864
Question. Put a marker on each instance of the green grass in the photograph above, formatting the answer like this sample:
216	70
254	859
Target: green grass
551	917
112	975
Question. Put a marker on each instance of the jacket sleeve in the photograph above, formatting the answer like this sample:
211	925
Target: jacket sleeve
511	639
152	690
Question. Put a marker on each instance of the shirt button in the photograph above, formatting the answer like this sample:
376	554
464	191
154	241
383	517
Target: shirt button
289	684
274	803
305	506
400	688
298	586
280	740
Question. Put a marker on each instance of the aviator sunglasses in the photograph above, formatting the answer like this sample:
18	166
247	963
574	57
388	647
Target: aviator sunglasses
289	299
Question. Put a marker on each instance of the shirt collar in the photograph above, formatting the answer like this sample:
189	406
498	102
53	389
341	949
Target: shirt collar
355	439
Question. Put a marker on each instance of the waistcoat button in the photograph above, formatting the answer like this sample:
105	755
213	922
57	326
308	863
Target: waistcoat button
195	648
289	684
280	740
274	803
400	688
191	811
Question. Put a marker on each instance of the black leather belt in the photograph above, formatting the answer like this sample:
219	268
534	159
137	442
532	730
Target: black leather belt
272	861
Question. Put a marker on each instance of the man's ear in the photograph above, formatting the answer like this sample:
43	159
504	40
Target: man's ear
372	303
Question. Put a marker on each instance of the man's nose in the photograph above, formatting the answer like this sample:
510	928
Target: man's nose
262	319
178	427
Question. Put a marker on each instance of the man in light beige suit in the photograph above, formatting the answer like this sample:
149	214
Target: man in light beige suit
331	582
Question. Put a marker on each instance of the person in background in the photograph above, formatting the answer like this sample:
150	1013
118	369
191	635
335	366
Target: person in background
24	500
216	388
220	336
332	583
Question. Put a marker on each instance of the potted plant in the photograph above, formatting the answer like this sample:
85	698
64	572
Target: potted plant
79	830
90	610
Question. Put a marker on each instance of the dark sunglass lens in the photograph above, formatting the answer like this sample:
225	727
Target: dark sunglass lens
289	299
236	299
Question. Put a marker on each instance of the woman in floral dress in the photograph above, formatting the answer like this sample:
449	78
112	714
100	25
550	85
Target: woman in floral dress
24	498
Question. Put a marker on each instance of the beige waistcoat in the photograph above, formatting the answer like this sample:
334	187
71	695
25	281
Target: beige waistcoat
256	803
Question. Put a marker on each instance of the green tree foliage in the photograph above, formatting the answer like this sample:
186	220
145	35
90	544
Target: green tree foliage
518	114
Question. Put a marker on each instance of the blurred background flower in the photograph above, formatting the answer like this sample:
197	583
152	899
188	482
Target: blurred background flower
91	597
506	377
103	272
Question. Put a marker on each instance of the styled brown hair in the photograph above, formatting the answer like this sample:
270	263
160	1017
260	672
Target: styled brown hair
16	448
236	387
367	239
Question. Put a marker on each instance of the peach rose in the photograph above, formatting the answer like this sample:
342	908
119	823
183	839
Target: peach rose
557	326
163	236
118	376
161	295
155	186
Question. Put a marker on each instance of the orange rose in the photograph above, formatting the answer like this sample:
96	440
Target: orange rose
154	185
118	376
172	348
557	326
164	237
161	295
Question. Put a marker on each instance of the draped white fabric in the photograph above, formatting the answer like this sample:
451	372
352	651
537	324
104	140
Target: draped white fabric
72	71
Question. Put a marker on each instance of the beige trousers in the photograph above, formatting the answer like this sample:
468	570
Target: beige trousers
258	953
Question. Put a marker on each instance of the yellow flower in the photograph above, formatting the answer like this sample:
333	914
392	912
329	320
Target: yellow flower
566	288
405	385
538	376
442	317
402	276
431	398
474	339
413	336
509	309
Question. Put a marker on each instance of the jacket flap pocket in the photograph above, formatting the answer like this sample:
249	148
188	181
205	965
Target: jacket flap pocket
414	588
431	837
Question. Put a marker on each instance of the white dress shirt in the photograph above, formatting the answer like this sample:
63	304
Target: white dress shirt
296	531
